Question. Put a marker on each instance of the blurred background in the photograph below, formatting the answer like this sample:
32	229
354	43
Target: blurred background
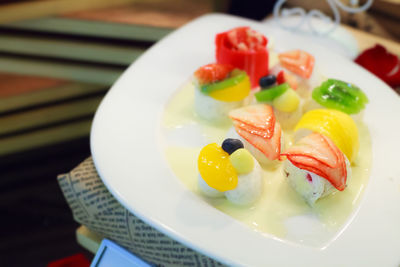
58	58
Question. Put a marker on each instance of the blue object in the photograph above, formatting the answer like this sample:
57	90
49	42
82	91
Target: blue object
110	254
230	145
268	80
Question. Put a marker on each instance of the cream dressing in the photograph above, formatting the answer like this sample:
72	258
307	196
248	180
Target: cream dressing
279	201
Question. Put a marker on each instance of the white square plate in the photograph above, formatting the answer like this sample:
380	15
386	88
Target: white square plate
127	149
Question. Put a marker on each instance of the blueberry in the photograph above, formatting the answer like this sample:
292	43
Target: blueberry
230	145
267	81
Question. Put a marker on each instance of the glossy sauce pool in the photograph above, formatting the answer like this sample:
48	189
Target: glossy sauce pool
279	203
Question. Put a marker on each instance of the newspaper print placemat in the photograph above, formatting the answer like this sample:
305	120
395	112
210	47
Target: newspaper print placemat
93	206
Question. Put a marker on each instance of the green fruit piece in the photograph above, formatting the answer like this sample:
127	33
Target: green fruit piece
236	77
340	95
271	93
242	161
287	102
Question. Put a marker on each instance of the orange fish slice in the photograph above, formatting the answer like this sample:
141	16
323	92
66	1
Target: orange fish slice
250	129
258	126
298	61
214	72
270	147
318	154
257	118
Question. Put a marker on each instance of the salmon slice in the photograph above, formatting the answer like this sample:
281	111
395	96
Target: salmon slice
213	72
298	61
316	153
258	126
259	119
270	147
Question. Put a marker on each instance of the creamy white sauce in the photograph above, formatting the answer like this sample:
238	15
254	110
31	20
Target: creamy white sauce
279	201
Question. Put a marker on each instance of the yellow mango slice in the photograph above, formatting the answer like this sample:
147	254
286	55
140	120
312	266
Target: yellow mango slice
216	169
336	125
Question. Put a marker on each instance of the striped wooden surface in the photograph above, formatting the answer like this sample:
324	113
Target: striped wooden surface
91	28
47	115
20	10
55	87
12	85
45	137
75	71
54	94
64	64
37	111
72	49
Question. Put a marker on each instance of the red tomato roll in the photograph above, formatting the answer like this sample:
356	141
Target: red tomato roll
245	49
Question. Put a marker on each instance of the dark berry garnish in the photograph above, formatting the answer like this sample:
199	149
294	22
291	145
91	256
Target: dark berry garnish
267	81
230	145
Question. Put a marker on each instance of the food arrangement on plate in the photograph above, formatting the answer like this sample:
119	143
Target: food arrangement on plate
146	145
282	140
